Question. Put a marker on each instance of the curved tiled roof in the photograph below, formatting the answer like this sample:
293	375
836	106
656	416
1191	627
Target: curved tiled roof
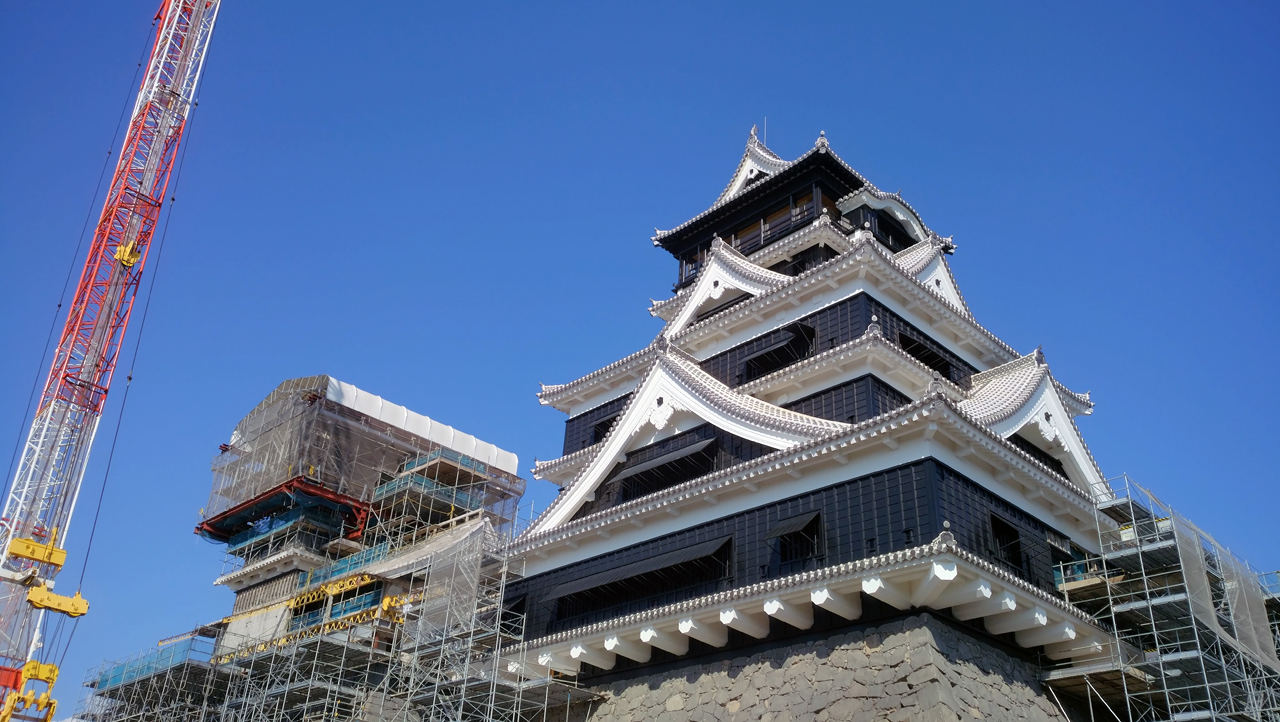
541	468
747	409
861	240
552	391
914	259
998	393
741	406
759	154
921	409
819	147
872	337
736	263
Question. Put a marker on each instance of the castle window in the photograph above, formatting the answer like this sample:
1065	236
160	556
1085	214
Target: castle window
831	326
747	239
925	355
601	428
810	257
1040	455
853	401
667	578
646	477
1007	542
795	545
791	344
886	229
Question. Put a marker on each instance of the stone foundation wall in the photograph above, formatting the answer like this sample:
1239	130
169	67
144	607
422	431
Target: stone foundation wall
917	668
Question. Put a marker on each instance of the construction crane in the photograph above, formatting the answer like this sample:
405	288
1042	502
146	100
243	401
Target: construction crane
37	513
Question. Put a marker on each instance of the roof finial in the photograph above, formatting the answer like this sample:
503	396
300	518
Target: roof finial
1040	355
946	537
753	130
874	326
822	141
935	384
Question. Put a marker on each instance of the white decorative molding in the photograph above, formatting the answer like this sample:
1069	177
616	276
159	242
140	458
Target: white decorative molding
875	198
724	270
870	348
868	263
939	575
821	231
934	417
674	382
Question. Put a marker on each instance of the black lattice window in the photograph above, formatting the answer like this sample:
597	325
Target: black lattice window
639	586
1038	454
879	513
795	545
805	260
884	227
865	397
837	324
590	427
664	464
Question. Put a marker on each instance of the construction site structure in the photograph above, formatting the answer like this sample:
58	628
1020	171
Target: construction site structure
1195	627
35	524
368	549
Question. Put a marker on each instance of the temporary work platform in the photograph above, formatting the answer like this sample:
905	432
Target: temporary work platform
1196	628
367	546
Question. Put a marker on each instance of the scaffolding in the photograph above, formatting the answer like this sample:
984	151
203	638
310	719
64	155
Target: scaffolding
423	646
319	443
1195	627
370	564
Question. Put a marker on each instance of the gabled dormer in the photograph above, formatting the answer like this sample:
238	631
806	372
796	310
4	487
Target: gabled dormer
1022	402
890	218
679	423
927	262
726	280
757	164
946	336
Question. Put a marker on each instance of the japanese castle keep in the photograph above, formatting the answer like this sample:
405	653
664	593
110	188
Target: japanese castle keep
826	491
823	492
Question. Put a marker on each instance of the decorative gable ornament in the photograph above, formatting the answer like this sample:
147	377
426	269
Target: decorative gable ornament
725	270
674	383
758	162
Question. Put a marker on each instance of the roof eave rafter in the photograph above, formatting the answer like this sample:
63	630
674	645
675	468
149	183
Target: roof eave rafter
872	344
867	261
939	575
930	417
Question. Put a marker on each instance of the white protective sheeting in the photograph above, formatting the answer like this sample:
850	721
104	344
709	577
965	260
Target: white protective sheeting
396	415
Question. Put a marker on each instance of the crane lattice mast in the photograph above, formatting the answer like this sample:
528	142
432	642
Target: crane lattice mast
38	510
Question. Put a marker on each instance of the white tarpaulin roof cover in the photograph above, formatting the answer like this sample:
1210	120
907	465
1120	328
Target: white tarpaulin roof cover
396	415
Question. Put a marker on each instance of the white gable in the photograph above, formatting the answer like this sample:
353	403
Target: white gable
1045	421
677	394
758	163
725	275
936	276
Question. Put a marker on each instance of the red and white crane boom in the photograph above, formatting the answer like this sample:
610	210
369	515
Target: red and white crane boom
37	513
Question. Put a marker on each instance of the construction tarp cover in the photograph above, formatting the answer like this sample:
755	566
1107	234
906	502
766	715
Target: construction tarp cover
340	438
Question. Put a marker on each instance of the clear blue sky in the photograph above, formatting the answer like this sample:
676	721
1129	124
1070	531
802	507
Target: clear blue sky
446	204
